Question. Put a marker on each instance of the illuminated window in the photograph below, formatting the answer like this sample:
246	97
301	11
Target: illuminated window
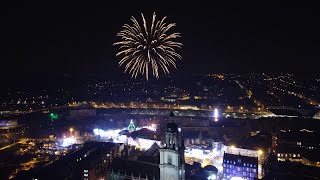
85	170
85	175
294	155
299	143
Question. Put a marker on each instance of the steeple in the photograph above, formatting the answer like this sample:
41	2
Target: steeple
173	138
172	154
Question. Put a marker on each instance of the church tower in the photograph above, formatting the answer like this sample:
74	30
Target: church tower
172	154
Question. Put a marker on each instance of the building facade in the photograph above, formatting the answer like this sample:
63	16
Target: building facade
239	166
172	154
87	163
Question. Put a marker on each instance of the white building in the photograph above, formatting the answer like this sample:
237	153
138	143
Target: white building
172	154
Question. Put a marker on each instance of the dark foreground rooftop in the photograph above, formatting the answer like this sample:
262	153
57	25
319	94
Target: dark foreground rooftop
121	167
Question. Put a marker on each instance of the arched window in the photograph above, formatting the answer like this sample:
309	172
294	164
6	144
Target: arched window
169	160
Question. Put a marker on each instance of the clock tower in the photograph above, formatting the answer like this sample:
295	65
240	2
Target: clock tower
172	154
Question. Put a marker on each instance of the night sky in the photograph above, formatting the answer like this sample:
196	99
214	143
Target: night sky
54	38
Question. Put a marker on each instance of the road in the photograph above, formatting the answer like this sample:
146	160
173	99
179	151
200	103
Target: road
22	141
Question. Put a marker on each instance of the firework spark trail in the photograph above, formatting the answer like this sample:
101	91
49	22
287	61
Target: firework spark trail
141	48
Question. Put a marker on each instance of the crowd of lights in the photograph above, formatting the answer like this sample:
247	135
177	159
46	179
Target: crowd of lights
114	136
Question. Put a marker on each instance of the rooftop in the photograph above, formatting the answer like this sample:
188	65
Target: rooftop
70	164
135	168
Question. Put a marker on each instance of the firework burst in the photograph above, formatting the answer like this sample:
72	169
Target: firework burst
142	48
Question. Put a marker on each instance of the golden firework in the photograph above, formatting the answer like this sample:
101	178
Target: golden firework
141	48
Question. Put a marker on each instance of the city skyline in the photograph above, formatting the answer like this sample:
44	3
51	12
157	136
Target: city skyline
180	90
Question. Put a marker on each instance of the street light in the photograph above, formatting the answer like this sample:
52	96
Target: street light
233	146
260	152
71	130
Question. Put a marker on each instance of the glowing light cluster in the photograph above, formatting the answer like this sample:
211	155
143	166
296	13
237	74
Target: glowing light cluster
53	116
197	153
151	128
107	134
206	157
216	114
68	141
114	136
146	143
212	177
236	178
